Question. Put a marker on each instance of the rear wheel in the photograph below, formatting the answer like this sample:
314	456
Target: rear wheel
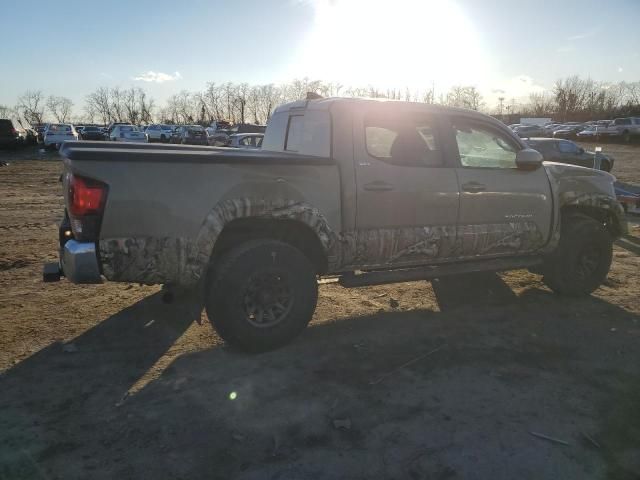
582	260
261	295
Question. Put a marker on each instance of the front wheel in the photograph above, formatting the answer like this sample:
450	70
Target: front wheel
582	260
261	295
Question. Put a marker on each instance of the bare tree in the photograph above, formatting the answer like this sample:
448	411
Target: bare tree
212	101
570	95
117	102
60	108
464	97
98	104
145	106
541	104
6	112
240	102
31	105
270	97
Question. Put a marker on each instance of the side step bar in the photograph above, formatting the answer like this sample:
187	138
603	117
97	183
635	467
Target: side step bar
436	271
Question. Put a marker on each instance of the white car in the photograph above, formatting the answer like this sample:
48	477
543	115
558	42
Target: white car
158	133
57	133
246	140
127	133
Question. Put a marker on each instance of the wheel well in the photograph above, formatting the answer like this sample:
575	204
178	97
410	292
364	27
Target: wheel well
295	233
599	214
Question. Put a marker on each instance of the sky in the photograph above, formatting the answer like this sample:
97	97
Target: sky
504	48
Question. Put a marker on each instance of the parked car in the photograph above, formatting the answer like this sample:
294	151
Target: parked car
592	132
247	128
127	133
568	131
91	133
40	128
112	125
190	135
527	131
549	128
627	128
246	140
176	134
629	196
8	134
57	133
220	138
372	192
566	151
27	136
158	133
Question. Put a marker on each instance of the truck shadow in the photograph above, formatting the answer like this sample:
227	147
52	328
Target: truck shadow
475	289
221	413
71	385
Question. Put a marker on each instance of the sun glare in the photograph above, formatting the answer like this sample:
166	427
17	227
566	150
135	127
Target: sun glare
391	43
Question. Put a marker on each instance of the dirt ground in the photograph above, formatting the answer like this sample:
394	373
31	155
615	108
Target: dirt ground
427	380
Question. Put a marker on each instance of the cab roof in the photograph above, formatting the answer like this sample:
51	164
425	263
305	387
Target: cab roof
328	103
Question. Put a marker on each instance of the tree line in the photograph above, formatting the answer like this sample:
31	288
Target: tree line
571	98
578	99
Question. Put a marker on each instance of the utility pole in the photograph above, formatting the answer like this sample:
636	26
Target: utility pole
501	100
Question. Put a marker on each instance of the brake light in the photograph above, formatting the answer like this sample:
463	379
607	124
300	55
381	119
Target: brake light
86	196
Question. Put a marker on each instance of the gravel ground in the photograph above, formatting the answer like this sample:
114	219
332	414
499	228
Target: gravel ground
435	380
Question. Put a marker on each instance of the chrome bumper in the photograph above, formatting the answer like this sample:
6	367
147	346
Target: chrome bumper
79	262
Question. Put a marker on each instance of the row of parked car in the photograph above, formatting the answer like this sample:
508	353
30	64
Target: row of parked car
625	129
52	135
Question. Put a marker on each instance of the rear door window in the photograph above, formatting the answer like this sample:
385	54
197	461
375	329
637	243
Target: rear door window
566	146
407	139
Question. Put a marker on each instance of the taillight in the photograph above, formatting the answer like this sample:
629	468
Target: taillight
86	200
86	196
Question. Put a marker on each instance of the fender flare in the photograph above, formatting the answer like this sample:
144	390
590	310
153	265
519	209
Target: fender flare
232	209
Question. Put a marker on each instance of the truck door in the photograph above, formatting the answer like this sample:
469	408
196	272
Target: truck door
407	196
503	210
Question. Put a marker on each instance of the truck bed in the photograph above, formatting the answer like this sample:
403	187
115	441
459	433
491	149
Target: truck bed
167	204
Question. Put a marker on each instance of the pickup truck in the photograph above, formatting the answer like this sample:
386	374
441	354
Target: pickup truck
625	128
369	191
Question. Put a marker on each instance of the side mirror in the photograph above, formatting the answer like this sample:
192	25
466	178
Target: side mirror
581	150
528	159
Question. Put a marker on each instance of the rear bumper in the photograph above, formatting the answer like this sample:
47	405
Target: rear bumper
79	262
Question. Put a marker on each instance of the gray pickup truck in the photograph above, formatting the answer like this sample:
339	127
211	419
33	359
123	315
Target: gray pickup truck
370	191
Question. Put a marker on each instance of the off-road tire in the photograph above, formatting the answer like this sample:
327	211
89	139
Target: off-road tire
229	285
582	260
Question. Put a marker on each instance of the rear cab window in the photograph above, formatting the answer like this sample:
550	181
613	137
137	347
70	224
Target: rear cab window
307	132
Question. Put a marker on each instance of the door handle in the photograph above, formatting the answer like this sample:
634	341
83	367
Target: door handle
473	187
378	186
